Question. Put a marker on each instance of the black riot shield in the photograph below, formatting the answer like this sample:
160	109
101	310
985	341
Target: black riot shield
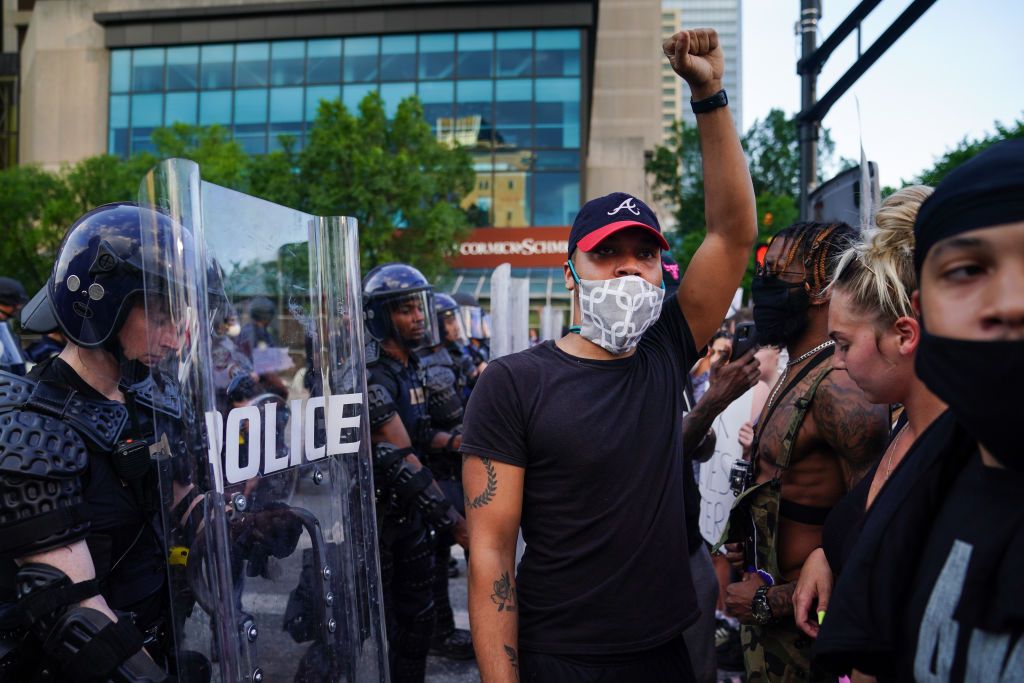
266	474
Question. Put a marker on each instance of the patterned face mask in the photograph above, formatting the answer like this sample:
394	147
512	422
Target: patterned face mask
615	313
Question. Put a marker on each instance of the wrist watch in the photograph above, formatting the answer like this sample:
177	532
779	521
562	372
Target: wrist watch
759	607
719	99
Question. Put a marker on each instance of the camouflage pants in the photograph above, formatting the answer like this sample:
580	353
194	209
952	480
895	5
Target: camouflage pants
778	653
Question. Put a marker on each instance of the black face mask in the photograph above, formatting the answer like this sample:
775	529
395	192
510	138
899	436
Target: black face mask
980	380
780	309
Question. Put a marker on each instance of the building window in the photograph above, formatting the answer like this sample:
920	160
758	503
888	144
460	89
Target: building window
511	97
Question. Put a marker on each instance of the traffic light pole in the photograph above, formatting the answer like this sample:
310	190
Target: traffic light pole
810	12
812	59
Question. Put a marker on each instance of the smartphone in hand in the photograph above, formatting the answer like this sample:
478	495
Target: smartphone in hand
743	339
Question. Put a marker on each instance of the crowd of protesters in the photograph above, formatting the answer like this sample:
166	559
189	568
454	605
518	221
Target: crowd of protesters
876	531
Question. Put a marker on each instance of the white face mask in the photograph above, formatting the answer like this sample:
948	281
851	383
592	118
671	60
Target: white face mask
615	313
234	329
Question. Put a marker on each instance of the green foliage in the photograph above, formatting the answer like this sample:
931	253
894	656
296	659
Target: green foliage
773	146
29	203
394	176
965	150
222	159
678	184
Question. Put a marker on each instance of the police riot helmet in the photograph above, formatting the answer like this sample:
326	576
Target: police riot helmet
102	263
12	292
387	289
449	322
261	308
471	314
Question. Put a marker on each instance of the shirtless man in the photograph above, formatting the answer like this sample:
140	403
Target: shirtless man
796	480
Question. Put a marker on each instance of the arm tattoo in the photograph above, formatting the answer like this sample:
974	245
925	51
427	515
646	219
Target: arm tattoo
504	595
513	659
492	486
780	599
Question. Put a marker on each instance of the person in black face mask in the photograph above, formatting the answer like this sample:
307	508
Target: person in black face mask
816	436
957	612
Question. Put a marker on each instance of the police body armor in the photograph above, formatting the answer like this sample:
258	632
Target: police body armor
58	447
444	382
403	496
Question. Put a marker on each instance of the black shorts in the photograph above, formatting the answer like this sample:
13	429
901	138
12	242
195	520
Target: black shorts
668	663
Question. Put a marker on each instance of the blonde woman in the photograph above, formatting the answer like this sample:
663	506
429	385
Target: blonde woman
876	335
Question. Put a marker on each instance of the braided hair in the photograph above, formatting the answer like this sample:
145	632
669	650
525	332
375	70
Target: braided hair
817	246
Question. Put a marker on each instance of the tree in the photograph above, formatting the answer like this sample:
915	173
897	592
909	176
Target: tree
773	147
965	150
394	176
773	152
222	159
678	185
29	203
402	185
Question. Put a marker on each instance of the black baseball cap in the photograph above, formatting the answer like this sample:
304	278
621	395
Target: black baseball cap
602	217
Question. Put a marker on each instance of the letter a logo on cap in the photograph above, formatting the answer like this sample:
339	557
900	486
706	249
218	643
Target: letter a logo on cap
628	205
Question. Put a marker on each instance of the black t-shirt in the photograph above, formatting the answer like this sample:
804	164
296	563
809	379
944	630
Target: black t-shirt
606	568
962	561
691	489
843	525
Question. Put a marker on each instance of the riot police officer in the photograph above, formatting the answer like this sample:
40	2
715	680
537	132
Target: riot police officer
474	321
445	379
455	341
12	298
80	548
398	306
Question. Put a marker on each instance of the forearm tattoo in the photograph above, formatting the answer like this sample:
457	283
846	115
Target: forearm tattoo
504	595
492	486
780	599
513	659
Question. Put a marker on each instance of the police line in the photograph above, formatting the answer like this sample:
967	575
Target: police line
259	424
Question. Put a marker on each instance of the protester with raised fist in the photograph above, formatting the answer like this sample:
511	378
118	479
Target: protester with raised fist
578	440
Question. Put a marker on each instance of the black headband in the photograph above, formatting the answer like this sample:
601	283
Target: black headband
985	191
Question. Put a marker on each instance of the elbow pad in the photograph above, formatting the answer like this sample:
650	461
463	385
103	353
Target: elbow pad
411	488
79	642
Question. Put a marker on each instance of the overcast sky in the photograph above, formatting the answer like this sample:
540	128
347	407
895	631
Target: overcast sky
957	70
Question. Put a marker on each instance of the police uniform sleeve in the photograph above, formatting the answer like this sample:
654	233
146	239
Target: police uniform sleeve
495	422
381	390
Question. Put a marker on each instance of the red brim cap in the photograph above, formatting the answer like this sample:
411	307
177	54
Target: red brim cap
594	238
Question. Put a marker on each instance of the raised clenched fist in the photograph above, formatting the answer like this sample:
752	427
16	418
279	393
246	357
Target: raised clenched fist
698	58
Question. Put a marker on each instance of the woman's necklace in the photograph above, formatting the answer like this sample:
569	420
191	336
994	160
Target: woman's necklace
892	450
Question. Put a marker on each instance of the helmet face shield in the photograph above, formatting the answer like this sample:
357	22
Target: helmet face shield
411	320
472	321
452	330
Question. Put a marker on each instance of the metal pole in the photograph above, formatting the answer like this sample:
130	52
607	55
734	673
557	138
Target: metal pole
810	12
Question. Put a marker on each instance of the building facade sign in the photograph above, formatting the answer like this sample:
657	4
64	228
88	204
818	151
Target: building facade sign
520	247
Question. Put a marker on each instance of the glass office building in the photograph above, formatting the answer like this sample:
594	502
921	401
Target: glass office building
511	97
